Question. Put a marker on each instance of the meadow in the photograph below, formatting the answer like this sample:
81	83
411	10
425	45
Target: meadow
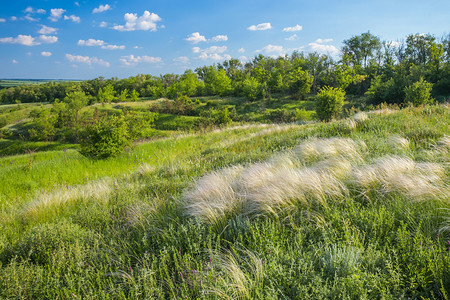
355	208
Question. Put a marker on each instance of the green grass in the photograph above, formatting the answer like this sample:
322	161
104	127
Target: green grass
74	228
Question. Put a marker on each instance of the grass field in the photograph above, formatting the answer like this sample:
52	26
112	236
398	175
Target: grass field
356	208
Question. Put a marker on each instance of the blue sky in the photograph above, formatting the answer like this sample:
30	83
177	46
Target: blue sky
86	39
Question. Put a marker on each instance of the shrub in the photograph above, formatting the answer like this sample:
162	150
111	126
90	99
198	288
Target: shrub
105	138
280	115
329	102
419	93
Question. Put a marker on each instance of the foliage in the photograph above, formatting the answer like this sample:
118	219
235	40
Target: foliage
419	93
43	124
105	138
280	115
329	103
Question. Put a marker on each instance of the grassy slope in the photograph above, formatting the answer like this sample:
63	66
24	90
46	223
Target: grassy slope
70	227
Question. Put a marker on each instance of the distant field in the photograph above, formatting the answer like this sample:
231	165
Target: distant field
6	83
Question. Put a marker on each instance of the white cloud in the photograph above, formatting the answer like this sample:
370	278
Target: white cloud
243	58
56	14
99	43
220	38
30	18
46	53
15	61
181	59
113	47
195	38
90	42
294	28
213	52
26	40
73	18
103	24
2	20
273	49
395	44
323	41
101	8
328	49
76	3
131	60
241	50
292	37
49	39
13	18
262	26
146	22
30	10
87	60
47	30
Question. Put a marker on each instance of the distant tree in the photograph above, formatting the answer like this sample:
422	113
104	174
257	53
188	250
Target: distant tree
251	89
134	96
299	83
362	48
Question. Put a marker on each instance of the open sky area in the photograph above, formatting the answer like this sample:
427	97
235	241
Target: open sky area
87	39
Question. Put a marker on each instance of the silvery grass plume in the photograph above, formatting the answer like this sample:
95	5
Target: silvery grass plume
51	201
241	276
348	124
402	175
319	149
399	142
360	117
214	196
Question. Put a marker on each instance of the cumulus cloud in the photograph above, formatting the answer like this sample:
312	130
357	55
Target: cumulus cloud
47	30
241	50
87	60
262	26
46	53
15	61
101	8
213	52
293	28
320	48
99	43
90	42
103	24
395	44
56	14
146	22
220	38
30	18
30	10
131	60
73	18
195	38
26	40
273	50
113	47
323	41
292	37
48	39
2	20
13	18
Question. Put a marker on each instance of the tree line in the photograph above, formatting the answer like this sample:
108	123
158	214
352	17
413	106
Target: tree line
383	71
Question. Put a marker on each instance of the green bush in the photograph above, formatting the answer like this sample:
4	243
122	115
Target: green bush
419	93
329	102
105	138
280	115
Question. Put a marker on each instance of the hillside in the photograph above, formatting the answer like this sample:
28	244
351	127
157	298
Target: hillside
354	208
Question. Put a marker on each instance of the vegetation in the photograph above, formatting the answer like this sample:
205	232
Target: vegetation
182	186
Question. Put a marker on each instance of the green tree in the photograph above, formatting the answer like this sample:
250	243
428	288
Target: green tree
105	138
329	103
251	89
419	93
43	124
299	83
362	48
106	94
